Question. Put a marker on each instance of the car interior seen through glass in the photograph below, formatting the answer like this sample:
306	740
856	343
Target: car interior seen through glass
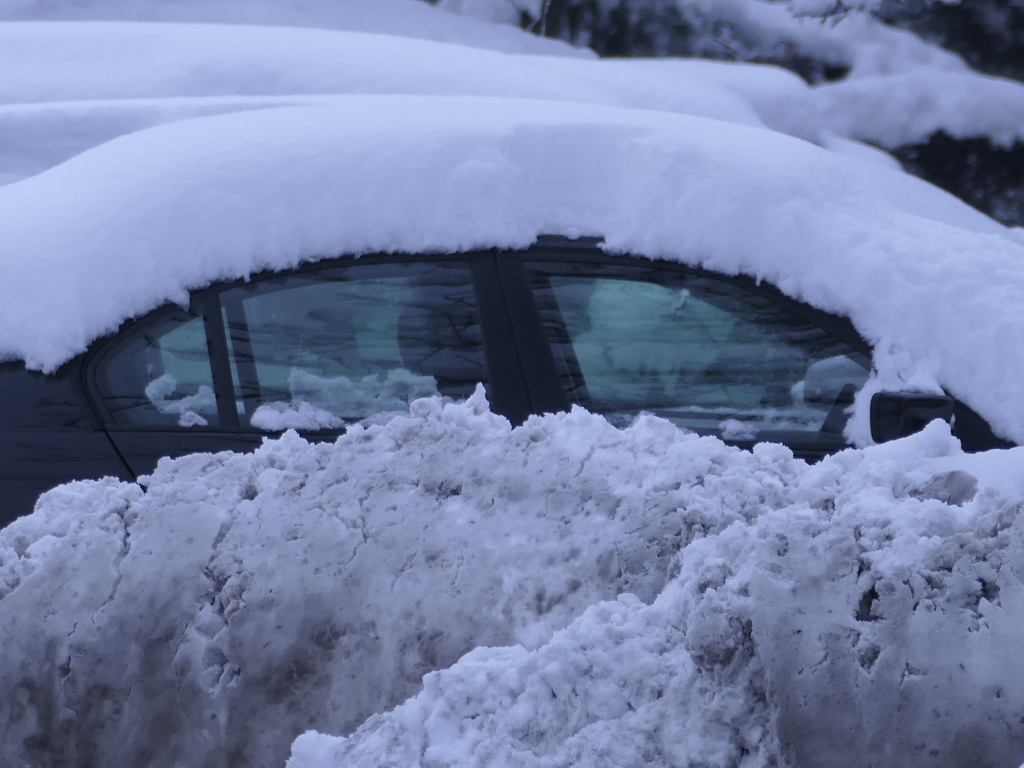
161	376
704	353
347	343
354	341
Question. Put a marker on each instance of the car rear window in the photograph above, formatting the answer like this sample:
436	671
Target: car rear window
704	353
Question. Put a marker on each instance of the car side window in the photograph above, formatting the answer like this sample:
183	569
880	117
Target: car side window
161	375
320	349
704	353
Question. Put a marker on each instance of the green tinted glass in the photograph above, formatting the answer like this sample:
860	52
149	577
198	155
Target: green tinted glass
345	344
704	353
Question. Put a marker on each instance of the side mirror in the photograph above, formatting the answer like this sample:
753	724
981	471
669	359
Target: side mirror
898	414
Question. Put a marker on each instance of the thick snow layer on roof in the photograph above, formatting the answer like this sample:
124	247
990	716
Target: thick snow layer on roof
858	611
139	221
408	18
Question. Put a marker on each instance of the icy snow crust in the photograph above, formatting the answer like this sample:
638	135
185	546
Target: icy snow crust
650	597
140	220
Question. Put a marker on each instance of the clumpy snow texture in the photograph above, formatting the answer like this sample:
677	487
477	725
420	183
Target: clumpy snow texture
634	597
864	621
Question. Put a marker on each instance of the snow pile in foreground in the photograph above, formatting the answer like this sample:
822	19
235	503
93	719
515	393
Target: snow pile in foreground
933	284
408	18
648	596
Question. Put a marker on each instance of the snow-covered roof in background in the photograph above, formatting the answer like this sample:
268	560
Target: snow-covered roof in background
900	88
64	61
68	86
65	87
139	221
408	18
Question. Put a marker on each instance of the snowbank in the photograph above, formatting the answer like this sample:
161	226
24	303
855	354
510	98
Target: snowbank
407	18
933	284
648	596
864	622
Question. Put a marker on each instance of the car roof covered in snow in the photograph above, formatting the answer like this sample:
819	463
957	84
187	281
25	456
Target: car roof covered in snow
141	220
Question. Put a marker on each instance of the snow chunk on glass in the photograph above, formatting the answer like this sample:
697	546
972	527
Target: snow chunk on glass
321	403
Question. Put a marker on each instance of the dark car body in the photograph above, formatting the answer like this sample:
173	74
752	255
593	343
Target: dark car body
510	318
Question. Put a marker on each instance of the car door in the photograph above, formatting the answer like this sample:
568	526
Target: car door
49	435
715	355
316	349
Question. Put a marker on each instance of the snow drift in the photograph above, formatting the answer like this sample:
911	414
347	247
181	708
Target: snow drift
747	609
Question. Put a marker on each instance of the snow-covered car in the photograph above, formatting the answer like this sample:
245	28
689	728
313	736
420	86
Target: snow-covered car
559	324
225	222
634	594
